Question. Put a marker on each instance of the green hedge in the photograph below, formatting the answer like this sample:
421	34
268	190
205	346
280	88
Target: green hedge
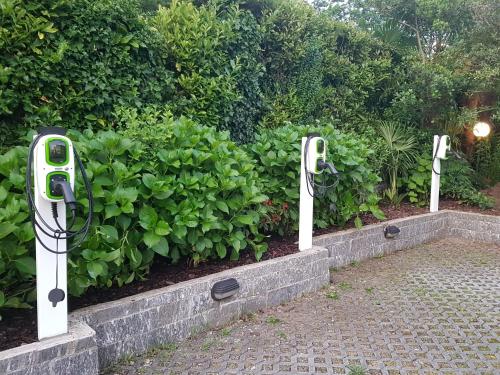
72	63
69	63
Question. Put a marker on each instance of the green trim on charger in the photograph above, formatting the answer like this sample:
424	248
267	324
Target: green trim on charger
47	151
47	184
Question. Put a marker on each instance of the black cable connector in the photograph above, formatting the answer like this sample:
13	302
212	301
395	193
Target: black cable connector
324	165
64	188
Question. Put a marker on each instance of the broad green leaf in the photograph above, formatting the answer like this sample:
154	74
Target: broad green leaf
221	250
151	239
162	228
3	193
6	229
103	181
25	232
26	265
222	206
16	303
148	217
111	256
95	269
134	255
110	233
180	231
161	247
112	211
124	221
149	180
244	219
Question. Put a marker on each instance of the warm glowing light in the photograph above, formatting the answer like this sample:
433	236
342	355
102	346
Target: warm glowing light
481	129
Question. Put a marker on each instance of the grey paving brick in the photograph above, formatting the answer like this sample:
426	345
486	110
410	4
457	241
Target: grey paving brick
432	309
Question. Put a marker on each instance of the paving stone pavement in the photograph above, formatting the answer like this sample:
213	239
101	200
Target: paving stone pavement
433	309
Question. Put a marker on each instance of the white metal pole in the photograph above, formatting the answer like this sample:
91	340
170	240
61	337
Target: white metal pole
306	206
52	321
436	170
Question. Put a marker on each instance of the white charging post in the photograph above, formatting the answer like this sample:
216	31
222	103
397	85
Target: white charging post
313	150
52	161
441	146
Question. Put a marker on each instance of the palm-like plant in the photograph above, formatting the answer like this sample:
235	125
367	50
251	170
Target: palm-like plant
400	147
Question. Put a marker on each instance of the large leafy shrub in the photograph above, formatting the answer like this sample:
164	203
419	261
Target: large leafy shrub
208	189
198	199
17	265
456	181
213	51
317	67
277	153
71	62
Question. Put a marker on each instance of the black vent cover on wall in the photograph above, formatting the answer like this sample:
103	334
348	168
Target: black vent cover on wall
224	289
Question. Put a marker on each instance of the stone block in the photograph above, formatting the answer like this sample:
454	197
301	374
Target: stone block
74	349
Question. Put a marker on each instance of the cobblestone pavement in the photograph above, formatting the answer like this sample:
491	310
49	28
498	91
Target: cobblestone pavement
433	309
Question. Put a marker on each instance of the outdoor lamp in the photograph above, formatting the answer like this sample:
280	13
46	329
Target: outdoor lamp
224	289
481	129
391	231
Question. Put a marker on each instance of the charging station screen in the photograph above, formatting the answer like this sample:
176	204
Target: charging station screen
57	152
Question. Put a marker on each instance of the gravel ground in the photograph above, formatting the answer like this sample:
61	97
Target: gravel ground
433	309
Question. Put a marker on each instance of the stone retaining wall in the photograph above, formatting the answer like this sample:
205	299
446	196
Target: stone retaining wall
73	353
471	226
358	244
100	335
134	324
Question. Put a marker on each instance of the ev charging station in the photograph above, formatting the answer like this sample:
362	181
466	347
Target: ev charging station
313	163
442	145
51	157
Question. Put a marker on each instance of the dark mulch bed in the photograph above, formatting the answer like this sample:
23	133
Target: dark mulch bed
19	326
